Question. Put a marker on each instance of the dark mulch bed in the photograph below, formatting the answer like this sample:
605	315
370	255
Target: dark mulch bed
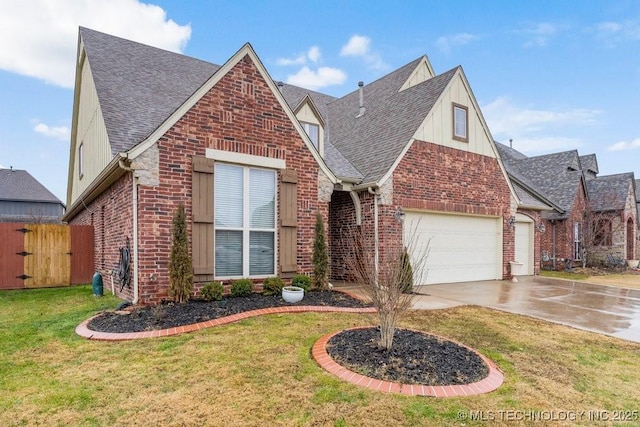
170	315
415	358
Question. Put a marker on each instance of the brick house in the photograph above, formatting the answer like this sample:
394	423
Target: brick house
253	161
587	216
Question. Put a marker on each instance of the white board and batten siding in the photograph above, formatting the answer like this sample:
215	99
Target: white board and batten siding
461	248
91	132
438	125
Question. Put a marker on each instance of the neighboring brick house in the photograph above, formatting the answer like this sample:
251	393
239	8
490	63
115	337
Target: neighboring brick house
253	161
587	217
24	199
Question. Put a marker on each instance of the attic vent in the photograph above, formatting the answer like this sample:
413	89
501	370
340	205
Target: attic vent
280	86
361	93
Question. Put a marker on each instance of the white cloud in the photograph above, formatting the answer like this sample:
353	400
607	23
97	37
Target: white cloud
38	38
360	46
625	145
540	33
446	43
324	76
313	54
536	129
62	133
356	46
619	30
505	117
299	60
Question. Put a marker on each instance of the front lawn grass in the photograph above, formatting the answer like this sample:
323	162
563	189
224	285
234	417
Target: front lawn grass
259	371
563	275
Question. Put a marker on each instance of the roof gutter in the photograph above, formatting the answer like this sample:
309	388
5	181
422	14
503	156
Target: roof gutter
108	176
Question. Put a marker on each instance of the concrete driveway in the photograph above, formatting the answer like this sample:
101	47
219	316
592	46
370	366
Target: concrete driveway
607	310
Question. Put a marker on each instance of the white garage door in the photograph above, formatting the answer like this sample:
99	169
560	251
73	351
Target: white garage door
524	243
461	248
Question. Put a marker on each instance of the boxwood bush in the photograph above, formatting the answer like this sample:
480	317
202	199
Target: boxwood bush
241	288
272	286
302	281
212	291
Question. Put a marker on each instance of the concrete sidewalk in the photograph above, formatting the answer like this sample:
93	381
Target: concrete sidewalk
603	309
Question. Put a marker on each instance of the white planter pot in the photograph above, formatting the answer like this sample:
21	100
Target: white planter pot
633	263
292	294
516	269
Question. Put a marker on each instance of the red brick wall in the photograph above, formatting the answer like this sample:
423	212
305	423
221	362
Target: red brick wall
563	231
437	178
239	114
111	215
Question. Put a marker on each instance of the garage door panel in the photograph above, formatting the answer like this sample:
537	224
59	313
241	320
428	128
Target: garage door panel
461	248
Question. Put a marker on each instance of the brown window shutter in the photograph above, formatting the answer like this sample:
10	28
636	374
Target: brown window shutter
202	246
288	223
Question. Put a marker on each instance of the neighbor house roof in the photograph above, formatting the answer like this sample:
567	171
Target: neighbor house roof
19	185
609	192
555	176
589	164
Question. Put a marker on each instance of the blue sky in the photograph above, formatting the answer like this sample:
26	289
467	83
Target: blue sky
551	75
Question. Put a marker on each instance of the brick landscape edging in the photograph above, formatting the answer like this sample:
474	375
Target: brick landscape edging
83	329
488	384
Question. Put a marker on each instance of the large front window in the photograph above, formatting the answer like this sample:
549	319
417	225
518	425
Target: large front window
245	218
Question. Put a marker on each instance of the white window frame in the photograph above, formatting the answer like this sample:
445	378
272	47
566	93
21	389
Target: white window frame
307	126
246	228
460	108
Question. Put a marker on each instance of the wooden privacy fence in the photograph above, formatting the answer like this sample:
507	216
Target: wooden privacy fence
45	255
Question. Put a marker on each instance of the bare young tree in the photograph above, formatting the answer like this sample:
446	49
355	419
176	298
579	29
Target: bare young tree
603	229
389	281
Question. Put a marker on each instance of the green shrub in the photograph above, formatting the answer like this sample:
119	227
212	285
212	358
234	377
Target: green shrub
302	281
272	286
180	271
241	288
320	257
212	291
405	272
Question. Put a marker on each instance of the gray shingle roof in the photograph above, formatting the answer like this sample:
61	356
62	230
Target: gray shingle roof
528	198
374	141
509	153
556	176
19	185
609	192
589	164
139	86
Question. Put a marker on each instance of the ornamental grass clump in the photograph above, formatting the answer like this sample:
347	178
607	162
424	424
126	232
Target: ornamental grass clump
180	270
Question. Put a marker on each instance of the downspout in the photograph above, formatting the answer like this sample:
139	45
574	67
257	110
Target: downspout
134	208
553	243
375	232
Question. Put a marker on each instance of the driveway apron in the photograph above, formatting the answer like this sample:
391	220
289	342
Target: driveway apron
607	310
